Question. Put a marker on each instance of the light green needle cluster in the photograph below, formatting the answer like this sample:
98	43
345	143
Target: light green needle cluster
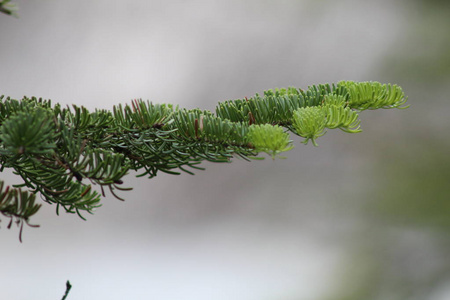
268	138
373	95
309	122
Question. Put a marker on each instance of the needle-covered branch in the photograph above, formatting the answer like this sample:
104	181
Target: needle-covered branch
8	8
63	153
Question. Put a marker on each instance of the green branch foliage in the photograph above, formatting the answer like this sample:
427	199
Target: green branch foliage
18	206
8	8
61	153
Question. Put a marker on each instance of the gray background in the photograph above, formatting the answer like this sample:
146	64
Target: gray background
283	229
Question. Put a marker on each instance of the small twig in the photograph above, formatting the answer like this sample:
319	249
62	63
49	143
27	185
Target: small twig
68	287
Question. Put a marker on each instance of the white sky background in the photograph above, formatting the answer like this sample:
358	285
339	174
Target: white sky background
260	230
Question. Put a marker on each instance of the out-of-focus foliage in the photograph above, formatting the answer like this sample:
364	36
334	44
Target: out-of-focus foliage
416	192
403	241
8	8
427	60
403	245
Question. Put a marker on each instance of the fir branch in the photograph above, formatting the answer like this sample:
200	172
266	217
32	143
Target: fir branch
8	8
62	153
18	206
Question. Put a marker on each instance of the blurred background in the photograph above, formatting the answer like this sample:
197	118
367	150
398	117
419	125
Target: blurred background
362	216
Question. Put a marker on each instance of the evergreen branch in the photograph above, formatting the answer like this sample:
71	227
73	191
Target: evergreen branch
18	206
8	8
61	153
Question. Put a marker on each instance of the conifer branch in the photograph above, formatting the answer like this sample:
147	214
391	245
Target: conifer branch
8	8
63	153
